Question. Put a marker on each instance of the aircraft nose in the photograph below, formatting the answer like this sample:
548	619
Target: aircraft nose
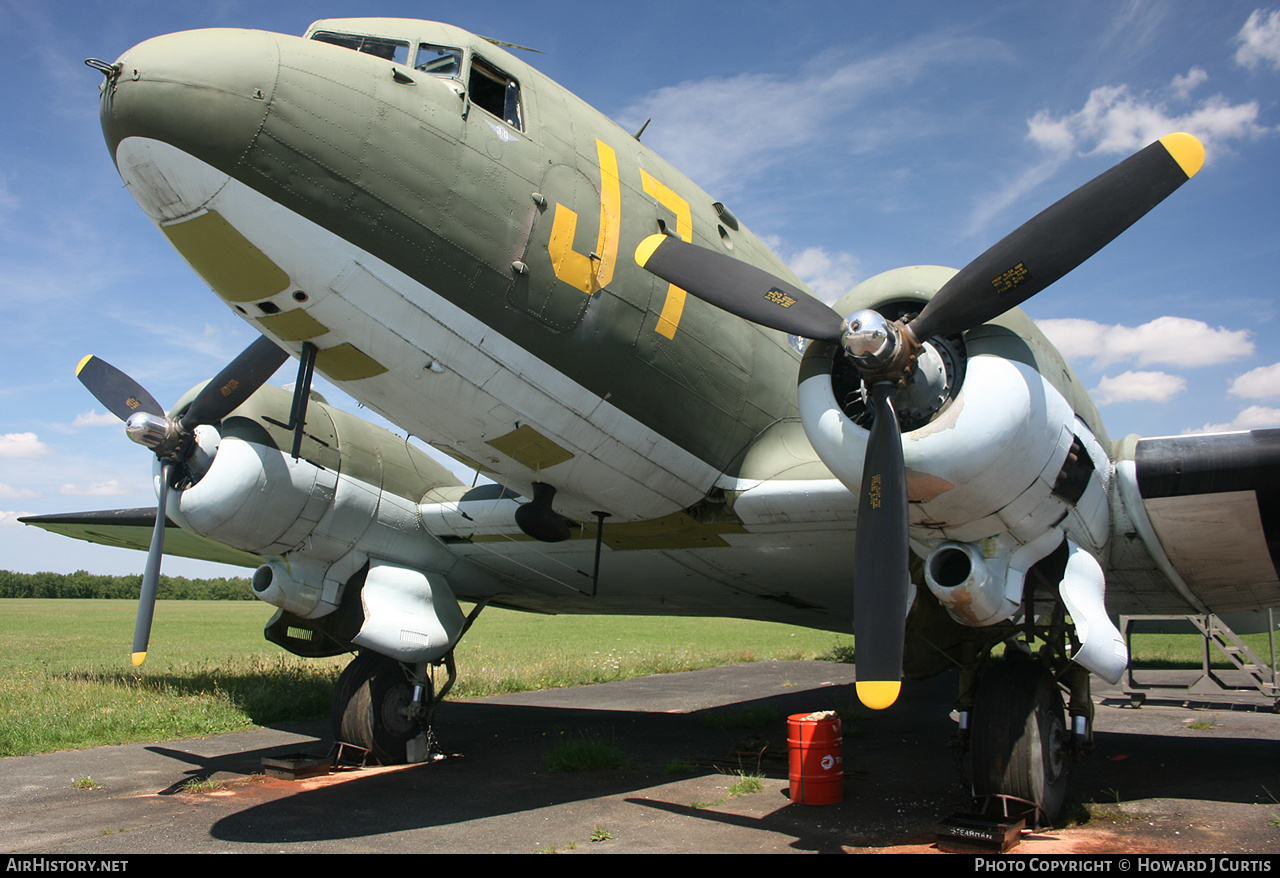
205	92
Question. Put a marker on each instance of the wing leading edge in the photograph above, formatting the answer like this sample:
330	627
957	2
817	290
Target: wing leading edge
1213	502
131	529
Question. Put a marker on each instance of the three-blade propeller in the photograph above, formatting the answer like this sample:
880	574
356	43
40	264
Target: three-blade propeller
171	439
1028	260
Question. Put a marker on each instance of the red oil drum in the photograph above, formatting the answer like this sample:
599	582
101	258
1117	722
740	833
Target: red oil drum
815	748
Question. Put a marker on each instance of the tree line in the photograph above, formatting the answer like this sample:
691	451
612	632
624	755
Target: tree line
83	584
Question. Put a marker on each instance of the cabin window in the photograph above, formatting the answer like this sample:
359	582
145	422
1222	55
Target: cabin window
390	50
438	60
495	92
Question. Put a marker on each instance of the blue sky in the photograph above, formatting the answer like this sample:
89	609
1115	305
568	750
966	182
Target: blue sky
853	137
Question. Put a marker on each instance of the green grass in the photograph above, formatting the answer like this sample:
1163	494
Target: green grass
680	767
745	785
586	752
515	652
66	682
1171	651
203	785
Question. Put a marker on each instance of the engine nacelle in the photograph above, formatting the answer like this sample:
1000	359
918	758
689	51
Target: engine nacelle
318	520
1006	455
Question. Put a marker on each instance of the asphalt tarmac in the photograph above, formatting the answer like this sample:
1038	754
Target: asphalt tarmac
1169	777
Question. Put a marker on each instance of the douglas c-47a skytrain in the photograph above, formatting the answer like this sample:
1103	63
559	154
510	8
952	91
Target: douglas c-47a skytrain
470	250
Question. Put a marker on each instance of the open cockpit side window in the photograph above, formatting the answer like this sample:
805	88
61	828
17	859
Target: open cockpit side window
494	91
388	49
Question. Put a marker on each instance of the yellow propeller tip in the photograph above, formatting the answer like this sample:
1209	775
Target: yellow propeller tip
82	363
1186	150
878	694
138	659
646	248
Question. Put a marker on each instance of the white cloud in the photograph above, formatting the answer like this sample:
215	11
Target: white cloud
109	488
1113	121
8	492
721	131
9	202
95	418
22	445
1259	40
1258	383
8	518
828	275
1138	387
991	206
1183	86
1255	417
1176	341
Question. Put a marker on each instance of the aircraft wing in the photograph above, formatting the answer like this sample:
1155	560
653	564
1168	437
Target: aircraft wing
1210	504
131	529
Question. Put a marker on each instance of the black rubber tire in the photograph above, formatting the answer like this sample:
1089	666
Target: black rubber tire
1018	736
369	704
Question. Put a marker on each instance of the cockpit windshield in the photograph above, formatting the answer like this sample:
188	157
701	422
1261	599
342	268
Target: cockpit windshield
390	50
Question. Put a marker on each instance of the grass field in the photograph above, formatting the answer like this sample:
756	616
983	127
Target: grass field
66	681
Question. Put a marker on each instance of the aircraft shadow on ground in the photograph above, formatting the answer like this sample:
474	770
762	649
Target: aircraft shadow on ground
900	776
1216	767
502	770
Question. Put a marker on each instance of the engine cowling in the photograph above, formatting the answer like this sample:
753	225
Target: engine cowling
999	464
317	520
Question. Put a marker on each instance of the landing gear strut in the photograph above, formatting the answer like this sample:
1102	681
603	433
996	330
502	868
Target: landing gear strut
377	707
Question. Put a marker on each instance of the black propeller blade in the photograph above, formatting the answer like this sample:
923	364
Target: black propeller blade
1060	238
881	580
117	391
739	288
151	573
1024	263
235	383
171	441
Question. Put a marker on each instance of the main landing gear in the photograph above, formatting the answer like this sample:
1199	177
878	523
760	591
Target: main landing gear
385	707
1019	743
1014	726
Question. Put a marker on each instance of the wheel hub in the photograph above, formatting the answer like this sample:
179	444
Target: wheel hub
399	712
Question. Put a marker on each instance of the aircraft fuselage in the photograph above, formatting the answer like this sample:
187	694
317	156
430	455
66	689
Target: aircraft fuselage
315	187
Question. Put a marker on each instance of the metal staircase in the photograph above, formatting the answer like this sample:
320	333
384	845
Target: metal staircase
1253	678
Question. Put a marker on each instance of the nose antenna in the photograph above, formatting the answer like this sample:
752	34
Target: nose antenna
507	45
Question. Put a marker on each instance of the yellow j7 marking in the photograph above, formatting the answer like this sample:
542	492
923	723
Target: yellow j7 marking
591	273
673	307
594	272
